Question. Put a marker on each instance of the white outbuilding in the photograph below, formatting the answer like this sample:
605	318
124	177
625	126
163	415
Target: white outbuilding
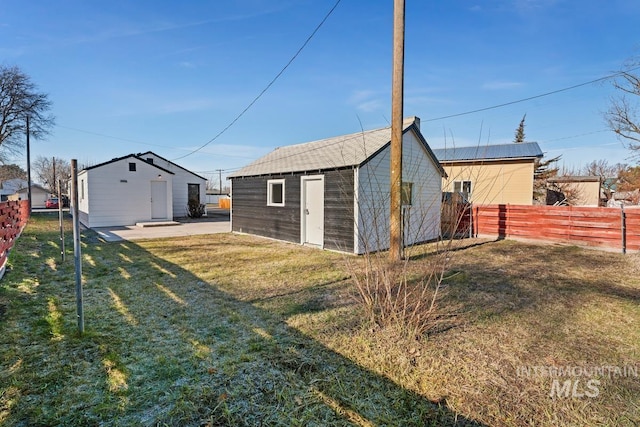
136	188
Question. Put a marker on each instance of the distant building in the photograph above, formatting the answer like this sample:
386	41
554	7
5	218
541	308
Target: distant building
491	174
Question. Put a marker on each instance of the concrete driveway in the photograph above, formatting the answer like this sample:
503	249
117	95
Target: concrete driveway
215	222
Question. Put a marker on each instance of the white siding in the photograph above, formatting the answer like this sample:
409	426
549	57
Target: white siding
181	179
115	196
38	196
422	219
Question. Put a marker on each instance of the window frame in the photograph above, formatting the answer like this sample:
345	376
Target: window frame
270	193
190	186
462	187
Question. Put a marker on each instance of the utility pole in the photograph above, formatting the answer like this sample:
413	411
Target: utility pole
397	99
54	175
28	166
220	180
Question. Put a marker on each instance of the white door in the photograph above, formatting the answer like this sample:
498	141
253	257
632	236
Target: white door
312	221
158	199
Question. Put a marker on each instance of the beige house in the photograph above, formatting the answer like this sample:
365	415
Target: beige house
39	195
491	174
579	190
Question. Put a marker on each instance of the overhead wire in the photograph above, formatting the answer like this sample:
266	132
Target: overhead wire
306	42
553	92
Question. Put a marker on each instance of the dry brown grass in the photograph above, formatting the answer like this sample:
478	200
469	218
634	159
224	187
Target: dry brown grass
235	330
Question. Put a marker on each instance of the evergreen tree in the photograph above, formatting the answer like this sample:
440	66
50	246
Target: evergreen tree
520	131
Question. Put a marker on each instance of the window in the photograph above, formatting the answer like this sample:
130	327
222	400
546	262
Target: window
82	189
193	192
407	193
150	160
132	167
275	192
462	187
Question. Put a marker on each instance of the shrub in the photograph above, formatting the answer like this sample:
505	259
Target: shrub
195	209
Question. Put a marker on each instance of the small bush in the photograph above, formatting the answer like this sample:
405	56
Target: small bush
195	209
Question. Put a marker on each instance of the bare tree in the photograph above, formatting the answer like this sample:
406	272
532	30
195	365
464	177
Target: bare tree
603	169
622	116
19	99
608	174
44	169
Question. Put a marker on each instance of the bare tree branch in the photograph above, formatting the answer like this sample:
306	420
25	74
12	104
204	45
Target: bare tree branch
20	98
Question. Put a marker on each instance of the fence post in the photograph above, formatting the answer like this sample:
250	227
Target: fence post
623	224
77	251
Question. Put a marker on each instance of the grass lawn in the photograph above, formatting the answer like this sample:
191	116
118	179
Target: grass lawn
235	330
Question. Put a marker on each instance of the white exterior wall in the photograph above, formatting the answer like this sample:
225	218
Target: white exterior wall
421	220
38	196
115	196
181	179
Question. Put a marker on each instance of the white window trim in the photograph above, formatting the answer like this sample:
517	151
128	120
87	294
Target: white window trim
462	182
270	183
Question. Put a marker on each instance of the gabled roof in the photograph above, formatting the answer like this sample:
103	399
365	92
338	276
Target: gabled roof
129	156
169	161
331	153
523	150
33	187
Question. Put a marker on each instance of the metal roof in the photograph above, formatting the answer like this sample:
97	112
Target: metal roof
523	150
331	153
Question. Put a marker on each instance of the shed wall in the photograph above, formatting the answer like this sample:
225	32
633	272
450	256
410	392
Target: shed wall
421	221
180	179
116	196
250	213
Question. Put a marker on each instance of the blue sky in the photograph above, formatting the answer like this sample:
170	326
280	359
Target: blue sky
133	76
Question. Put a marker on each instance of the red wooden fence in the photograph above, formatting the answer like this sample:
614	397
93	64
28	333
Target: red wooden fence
13	218
585	226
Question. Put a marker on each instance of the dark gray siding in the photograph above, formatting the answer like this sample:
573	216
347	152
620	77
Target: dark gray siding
338	210
252	215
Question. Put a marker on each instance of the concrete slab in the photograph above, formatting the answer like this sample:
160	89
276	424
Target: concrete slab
189	227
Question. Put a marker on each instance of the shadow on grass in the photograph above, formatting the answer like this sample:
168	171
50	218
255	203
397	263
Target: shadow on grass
163	347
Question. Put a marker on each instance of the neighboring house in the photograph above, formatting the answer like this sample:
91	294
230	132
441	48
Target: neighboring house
186	184
625	198
39	195
579	190
334	193
14	184
10	187
491	174
124	191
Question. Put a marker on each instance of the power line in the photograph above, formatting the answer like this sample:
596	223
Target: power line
268	85
534	97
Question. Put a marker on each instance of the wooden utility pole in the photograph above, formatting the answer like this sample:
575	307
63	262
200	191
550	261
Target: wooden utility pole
397	99
54	172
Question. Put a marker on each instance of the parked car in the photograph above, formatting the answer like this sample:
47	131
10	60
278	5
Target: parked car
51	203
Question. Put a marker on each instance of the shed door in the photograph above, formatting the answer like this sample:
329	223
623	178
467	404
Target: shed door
158	199
312	221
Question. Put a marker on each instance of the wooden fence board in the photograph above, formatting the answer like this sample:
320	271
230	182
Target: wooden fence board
13	218
586	226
